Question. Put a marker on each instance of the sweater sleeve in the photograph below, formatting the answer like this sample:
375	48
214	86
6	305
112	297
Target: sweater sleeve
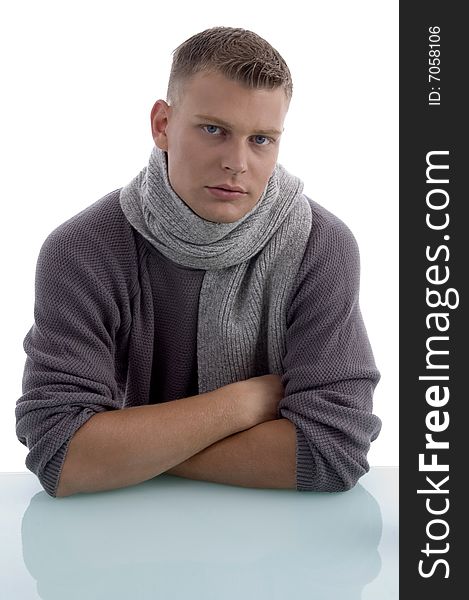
329	369
69	373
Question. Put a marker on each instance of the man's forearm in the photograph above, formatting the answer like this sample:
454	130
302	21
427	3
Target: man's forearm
123	447
261	457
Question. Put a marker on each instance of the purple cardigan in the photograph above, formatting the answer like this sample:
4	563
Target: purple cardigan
115	326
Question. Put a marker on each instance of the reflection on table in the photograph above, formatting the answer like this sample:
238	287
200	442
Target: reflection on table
177	538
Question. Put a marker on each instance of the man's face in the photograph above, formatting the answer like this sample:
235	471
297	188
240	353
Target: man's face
220	133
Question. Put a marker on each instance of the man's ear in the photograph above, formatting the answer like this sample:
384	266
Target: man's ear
159	122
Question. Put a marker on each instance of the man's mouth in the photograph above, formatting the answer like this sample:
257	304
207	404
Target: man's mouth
223	193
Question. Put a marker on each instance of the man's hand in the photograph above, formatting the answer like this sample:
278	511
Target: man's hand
259	397
264	455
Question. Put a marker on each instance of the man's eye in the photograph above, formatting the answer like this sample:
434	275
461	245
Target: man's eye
210	128
262	137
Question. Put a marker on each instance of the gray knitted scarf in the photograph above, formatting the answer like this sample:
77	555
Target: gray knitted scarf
250	267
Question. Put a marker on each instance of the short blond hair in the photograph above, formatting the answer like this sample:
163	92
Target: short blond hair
239	54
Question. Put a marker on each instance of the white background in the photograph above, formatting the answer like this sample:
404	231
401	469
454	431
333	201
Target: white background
79	80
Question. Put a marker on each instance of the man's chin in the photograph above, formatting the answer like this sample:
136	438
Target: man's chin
221	219
223	214
219	211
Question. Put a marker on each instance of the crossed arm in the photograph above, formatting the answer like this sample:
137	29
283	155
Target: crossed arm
262	457
224	436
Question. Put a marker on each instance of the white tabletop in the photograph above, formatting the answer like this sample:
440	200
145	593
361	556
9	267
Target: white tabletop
174	538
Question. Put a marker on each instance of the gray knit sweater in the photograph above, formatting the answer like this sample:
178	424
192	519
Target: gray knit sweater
115	325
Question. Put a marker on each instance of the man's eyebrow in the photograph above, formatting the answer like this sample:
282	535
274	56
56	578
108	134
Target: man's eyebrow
217	121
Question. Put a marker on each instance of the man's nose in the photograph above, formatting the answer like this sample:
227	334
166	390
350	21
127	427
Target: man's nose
235	158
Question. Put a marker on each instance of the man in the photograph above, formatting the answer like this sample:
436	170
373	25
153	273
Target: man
203	320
